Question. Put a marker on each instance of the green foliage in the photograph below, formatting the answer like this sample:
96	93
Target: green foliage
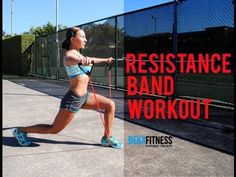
26	41
26	57
45	29
17	49
15	58
11	55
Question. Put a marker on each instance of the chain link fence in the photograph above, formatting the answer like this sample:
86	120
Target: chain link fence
206	27
184	26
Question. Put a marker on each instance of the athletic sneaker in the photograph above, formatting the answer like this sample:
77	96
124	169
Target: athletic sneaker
112	142
21	137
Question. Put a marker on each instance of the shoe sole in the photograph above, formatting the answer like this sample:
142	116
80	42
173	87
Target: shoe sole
108	145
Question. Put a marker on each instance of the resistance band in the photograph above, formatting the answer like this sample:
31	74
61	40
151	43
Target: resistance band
93	90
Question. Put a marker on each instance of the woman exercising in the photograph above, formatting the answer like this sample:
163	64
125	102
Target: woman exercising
78	96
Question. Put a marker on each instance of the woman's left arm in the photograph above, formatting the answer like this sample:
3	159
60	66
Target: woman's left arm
101	60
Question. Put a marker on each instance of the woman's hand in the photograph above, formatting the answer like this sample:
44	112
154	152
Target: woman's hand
110	60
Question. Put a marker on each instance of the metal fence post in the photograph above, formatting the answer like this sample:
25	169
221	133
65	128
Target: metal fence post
116	52
175	40
57	43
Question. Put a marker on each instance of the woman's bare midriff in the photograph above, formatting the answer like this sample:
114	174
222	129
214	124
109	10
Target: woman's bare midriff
79	84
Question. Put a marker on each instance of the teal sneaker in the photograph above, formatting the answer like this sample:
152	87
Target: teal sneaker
21	137
112	142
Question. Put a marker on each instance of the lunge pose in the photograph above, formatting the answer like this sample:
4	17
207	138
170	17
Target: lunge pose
77	97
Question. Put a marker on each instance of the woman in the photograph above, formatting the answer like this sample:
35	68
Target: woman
77	97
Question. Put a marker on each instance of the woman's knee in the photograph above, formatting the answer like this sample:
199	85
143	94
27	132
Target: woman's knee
54	130
111	106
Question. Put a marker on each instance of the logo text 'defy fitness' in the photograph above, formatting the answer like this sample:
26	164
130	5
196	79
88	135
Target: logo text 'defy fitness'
151	141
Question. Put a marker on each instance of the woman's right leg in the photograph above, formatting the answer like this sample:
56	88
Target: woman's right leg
62	119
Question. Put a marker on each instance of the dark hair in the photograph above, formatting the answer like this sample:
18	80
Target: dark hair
71	32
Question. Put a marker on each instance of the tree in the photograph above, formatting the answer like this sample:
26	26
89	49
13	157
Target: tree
38	31
45	29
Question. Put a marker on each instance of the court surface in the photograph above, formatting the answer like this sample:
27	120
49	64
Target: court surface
76	150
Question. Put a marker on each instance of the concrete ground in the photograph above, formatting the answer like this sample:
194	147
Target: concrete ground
76	150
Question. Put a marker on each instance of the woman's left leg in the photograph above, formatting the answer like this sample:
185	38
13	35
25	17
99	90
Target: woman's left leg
106	104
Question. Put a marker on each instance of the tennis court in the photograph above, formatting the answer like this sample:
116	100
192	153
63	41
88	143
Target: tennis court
76	150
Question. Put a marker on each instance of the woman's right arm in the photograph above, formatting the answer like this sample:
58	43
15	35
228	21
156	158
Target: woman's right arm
71	58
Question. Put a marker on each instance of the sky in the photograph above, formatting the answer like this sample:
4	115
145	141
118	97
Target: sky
34	13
